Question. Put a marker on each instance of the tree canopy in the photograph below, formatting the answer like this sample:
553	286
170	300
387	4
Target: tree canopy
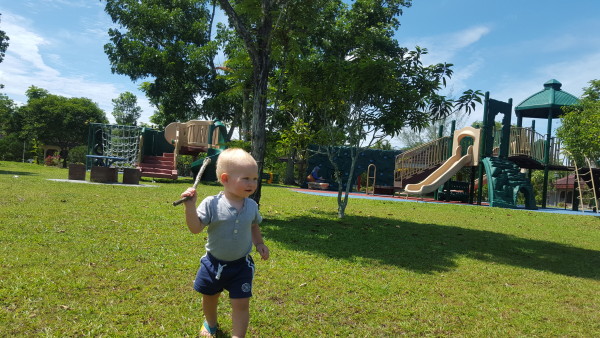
3	43
57	120
580	125
3	46
168	44
125	109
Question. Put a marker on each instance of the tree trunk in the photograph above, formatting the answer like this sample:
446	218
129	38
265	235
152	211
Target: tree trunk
258	45
289	170
246	124
259	117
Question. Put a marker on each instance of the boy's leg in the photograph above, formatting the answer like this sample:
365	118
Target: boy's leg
209	307
240	316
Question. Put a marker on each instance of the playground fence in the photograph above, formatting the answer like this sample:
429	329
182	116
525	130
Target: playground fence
528	142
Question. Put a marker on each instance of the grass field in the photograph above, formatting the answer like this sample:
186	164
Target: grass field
109	260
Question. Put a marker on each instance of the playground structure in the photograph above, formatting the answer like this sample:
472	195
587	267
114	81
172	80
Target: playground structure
153	153
503	160
195	137
113	145
452	165
504	156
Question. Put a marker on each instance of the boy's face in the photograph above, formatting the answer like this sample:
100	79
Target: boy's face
242	181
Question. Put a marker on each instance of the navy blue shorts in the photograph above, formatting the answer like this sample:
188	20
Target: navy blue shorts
214	276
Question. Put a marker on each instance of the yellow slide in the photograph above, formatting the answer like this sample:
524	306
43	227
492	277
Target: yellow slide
452	165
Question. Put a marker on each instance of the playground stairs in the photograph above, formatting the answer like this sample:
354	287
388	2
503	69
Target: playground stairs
505	181
159	166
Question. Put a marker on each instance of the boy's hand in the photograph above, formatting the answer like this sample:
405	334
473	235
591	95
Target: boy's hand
191	194
263	250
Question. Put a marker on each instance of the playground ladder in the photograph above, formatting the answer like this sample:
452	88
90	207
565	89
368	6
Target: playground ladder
587	185
372	178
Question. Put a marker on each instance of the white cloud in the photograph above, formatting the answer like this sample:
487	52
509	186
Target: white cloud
443	48
24	46
26	63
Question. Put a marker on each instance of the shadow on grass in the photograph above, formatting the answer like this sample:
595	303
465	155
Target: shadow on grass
427	248
20	173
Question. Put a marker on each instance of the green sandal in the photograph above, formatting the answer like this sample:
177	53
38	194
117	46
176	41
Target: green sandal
211	330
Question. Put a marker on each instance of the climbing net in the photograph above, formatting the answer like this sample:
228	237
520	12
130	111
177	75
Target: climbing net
120	141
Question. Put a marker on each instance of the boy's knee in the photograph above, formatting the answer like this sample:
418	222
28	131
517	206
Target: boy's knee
240	304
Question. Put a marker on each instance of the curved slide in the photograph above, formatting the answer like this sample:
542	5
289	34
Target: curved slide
442	174
452	165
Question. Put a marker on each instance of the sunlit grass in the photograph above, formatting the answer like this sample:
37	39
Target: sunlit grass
80	259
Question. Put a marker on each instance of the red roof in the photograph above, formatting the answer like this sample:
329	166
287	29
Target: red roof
566	183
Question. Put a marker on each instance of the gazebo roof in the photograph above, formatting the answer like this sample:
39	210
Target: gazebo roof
552	98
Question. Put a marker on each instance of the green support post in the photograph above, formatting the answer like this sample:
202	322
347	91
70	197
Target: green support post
505	141
482	151
440	134
547	158
452	129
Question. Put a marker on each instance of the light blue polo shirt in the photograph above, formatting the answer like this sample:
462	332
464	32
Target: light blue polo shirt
229	231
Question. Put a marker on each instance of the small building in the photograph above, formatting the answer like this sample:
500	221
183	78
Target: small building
563	191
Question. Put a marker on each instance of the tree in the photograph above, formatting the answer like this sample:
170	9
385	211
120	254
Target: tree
8	109
169	42
592	92
125	109
57	120
255	29
297	138
11	147
371	87
580	126
3	46
230	92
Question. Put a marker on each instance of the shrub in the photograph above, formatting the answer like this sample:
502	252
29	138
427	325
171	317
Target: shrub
77	154
52	160
11	148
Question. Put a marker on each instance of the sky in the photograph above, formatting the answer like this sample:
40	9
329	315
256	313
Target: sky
507	47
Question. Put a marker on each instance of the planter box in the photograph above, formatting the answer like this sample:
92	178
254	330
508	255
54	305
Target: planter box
131	176
77	172
104	175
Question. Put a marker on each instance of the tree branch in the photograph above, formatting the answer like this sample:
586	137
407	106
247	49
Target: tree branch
242	30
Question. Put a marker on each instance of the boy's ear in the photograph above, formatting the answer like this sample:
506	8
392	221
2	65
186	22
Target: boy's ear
224	177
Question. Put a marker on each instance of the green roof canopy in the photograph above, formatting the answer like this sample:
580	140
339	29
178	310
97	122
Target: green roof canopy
552	98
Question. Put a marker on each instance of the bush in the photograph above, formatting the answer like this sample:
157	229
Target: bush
184	165
77	154
52	160
11	148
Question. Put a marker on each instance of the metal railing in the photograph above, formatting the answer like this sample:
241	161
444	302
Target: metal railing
528	142
557	153
421	158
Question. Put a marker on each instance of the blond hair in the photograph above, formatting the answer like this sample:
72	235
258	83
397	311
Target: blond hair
233	158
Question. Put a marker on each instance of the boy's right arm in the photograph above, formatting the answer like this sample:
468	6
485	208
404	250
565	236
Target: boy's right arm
191	216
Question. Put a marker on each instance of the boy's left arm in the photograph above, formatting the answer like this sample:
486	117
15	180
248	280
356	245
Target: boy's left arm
258	241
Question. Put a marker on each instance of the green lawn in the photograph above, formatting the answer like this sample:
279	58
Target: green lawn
106	260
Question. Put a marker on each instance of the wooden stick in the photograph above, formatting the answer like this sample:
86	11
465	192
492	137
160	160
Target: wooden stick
205	163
